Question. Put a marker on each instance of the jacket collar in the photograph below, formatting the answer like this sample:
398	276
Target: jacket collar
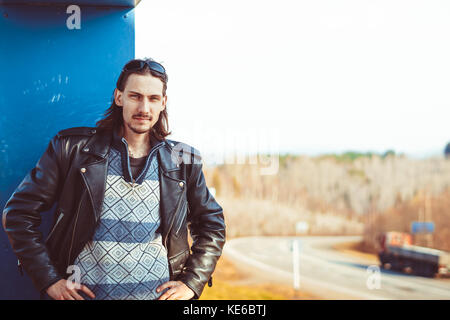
98	144
101	141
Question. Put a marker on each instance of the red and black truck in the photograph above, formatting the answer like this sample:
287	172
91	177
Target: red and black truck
398	253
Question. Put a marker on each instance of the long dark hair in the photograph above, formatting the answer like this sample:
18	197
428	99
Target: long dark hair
113	118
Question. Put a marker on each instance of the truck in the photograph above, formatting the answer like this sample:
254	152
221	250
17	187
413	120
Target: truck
398	253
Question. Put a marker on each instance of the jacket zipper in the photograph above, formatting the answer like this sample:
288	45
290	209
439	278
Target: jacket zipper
74	227
61	215
173	220
181	224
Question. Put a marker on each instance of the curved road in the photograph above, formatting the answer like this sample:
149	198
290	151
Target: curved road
327	273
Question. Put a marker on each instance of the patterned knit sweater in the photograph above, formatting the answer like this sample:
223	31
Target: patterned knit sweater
126	258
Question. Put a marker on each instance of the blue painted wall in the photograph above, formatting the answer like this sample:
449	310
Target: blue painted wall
52	78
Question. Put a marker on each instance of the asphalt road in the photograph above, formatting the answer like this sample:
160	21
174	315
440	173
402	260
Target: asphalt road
327	273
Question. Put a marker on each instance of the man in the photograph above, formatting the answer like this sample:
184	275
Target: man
125	197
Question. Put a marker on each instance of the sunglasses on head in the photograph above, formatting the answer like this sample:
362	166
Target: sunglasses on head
140	64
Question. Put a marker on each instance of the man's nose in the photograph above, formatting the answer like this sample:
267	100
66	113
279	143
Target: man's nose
144	106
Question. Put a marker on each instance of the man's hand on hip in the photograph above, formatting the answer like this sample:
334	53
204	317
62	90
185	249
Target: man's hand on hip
178	291
62	291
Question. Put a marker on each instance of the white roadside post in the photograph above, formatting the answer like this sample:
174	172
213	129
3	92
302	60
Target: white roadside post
301	228
296	265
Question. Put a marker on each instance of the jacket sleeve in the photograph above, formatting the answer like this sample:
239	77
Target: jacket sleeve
21	217
207	228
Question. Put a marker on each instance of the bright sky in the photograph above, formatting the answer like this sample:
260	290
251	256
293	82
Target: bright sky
306	77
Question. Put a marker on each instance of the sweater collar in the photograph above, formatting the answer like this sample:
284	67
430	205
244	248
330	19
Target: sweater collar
118	141
120	144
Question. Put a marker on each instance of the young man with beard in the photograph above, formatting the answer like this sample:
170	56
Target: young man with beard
126	197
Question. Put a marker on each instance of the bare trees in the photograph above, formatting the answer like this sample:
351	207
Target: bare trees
329	185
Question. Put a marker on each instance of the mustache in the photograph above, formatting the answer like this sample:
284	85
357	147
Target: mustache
143	116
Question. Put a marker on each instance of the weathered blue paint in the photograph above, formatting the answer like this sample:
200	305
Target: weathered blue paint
52	78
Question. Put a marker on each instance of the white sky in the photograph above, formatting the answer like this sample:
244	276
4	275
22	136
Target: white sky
307	77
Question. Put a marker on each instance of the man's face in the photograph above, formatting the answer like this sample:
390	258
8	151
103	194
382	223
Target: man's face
142	101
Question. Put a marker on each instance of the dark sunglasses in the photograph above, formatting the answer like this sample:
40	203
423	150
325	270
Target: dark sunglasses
140	64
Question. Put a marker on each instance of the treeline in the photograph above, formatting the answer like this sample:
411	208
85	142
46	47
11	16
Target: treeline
363	185
351	186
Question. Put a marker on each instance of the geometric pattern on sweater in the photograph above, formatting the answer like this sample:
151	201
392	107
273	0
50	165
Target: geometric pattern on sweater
126	258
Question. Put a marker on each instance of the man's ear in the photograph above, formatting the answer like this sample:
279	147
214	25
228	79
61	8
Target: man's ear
164	102
118	97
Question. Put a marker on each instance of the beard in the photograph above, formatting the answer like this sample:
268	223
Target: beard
138	130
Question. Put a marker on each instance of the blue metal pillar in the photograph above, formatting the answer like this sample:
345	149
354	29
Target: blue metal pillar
52	76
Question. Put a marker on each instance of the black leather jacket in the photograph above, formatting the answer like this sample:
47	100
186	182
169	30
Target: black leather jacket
72	174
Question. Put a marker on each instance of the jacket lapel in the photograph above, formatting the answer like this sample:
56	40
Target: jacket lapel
95	179
94	171
171	188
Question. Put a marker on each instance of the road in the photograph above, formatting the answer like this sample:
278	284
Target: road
328	273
